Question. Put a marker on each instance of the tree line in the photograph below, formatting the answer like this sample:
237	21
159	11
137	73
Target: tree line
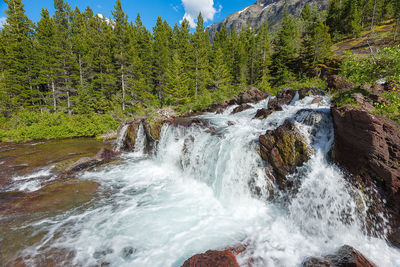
78	62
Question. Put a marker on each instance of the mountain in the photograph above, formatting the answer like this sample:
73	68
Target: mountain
256	14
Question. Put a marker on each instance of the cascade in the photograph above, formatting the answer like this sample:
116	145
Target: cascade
206	188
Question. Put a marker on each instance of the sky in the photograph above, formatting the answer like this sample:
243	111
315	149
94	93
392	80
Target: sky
171	10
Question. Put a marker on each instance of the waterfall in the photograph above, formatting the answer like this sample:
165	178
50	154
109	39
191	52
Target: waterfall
121	138
140	144
206	188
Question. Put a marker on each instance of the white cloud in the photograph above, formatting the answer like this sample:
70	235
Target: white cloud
2	22
194	7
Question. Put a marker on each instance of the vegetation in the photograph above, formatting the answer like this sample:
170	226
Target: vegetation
78	67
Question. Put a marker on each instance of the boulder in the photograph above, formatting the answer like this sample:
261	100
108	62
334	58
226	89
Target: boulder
224	258
106	154
368	146
285	149
241	108
131	126
263	113
346	256
253	95
363	102
284	97
340	83
373	88
316	100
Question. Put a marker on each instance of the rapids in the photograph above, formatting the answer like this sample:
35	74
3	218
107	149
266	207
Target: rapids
206	189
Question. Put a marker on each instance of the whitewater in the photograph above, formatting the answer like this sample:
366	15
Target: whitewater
205	189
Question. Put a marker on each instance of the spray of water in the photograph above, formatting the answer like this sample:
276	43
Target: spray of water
206	188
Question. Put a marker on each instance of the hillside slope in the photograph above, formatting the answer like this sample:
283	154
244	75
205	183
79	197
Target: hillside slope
256	14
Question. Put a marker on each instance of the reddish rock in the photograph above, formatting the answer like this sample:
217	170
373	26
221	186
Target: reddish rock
106	154
373	88
285	149
379	99
82	164
339	83
316	100
218	108
241	108
368	146
346	256
210	258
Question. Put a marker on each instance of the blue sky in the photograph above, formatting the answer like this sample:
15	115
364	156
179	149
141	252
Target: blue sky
173	10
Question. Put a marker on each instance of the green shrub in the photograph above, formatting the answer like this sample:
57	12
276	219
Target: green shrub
27	125
391	111
369	68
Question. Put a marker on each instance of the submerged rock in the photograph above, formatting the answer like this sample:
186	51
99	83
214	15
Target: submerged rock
285	149
210	258
346	256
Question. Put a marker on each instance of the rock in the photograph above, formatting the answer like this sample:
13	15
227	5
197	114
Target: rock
128	143
217	108
316	262
106	154
263	113
346	256
253	95
306	91
241	108
310	117
373	88
316	100
224	258
284	97
340	83
368	146
379	99
82	164
363	102
394	238
285	149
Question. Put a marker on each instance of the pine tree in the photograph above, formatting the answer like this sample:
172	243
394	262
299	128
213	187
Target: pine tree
161	58
18	46
177	84
285	49
221	78
201	50
122	42
46	39
263	57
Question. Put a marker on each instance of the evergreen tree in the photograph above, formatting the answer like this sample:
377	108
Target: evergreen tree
201	49
160	57
46	38
177	84
263	58
18	47
285	49
121	36
221	78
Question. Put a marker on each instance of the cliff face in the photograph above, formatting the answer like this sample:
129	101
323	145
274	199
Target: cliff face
256	14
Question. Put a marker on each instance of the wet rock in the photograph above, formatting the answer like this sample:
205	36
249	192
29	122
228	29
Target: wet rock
82	164
316	100
241	108
217	108
306	91
346	256
106	154
129	140
284	97
285	149
224	258
253	95
394	238
368	146
340	83
263	113
54	198
316	262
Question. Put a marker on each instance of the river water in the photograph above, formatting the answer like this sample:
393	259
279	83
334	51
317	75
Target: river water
207	189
